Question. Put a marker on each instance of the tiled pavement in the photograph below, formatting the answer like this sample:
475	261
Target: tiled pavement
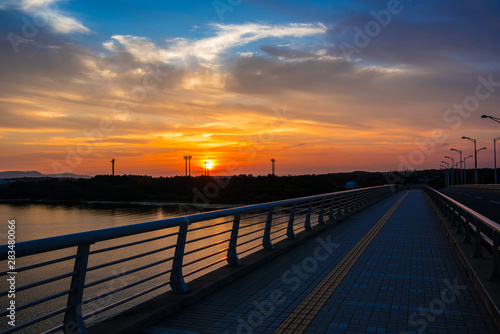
407	280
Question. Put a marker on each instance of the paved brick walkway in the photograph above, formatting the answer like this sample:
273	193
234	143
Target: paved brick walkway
407	279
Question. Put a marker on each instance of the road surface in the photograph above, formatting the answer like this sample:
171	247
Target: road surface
485	203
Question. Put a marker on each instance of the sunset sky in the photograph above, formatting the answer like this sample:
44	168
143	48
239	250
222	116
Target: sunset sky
320	86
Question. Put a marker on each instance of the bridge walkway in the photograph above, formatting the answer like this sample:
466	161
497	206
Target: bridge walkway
387	269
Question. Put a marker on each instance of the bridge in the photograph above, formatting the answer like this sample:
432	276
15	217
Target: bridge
371	260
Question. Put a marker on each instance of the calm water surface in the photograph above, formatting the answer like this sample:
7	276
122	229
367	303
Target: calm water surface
36	221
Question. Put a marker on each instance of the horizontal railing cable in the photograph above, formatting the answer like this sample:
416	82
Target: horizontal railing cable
250	228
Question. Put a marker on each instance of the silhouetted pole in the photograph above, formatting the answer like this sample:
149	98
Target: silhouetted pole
187	160
452	170
475	155
465	168
496	119
482	148
273	161
495	156
445	175
113	167
461	166
448	174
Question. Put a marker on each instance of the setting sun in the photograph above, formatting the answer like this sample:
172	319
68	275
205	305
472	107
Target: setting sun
207	165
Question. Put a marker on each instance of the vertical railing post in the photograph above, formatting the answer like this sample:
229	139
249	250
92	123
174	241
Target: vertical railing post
346	207
266	239
232	254
478	251
290	233
361	198
495	275
369	197
452	217
176	277
73	321
447	211
321	221
353	196
339	206
307	222
354	200
467	239
330	213
459	222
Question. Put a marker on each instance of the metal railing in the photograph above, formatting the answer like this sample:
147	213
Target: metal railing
70	282
486	232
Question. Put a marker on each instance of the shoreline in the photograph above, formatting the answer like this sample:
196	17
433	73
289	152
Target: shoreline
138	203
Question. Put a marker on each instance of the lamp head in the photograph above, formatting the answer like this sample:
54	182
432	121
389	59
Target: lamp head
469	138
484	116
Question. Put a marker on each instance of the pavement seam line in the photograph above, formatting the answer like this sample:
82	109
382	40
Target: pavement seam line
303	315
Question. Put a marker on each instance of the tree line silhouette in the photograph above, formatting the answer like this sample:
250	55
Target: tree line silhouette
179	189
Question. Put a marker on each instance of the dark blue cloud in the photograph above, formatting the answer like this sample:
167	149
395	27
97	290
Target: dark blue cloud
426	33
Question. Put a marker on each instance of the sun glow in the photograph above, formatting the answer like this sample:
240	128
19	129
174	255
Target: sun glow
208	164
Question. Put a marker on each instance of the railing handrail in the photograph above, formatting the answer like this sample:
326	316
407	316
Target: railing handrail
492	224
335	205
30	247
486	232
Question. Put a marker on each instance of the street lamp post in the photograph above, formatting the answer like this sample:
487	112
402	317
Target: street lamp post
452	170
482	148
448	172
456	167
445	175
461	166
465	167
475	155
495	156
496	119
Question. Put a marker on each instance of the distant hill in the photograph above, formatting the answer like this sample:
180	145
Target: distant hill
20	175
